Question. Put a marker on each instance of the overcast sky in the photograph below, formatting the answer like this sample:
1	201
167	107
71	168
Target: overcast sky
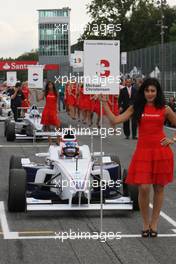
19	20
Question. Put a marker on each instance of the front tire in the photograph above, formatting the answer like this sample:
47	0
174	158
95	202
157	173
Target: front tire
116	159
29	131
17	190
6	122
15	162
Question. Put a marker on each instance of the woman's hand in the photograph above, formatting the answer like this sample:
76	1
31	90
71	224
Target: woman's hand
103	98
120	110
166	142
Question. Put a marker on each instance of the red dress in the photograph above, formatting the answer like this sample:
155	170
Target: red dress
72	95
151	163
86	102
50	112
92	103
97	107
113	104
81	98
26	92
77	96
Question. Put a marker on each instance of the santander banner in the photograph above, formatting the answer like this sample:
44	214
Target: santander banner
23	65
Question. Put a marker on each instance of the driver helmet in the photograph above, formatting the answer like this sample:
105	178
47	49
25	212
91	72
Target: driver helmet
70	149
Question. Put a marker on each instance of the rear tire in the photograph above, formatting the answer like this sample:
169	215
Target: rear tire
10	131
17	190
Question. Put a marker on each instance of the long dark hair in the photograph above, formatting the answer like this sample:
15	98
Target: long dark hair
47	88
140	101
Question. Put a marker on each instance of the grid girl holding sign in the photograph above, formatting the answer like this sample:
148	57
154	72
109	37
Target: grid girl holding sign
152	162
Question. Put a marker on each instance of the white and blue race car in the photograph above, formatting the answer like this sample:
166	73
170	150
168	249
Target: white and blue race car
28	125
69	178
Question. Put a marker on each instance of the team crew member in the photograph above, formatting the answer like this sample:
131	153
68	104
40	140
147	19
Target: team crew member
17	98
126	98
61	91
66	97
50	116
152	162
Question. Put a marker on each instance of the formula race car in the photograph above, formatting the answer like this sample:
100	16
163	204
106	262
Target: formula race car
27	127
69	179
5	109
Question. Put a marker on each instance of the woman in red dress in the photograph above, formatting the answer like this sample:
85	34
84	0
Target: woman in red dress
27	94
97	109
78	111
50	115
113	104
81	100
71	100
86	109
152	162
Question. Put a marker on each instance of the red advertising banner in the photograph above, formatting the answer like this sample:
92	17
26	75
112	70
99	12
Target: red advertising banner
23	65
52	67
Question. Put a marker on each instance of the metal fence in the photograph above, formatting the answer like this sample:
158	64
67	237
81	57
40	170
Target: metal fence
148	59
168	94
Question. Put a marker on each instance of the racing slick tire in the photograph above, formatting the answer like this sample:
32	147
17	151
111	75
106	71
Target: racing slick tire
15	162
131	190
17	191
125	185
6	122
10	132
116	159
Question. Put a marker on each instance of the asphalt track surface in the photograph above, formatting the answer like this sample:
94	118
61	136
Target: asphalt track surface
36	233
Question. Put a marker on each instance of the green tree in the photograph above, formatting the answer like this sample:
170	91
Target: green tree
172	32
30	56
138	19
108	19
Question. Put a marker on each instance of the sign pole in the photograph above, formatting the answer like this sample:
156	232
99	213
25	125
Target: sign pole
101	168
101	60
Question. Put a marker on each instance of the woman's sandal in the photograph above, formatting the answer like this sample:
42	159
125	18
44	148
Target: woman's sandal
145	233
153	233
